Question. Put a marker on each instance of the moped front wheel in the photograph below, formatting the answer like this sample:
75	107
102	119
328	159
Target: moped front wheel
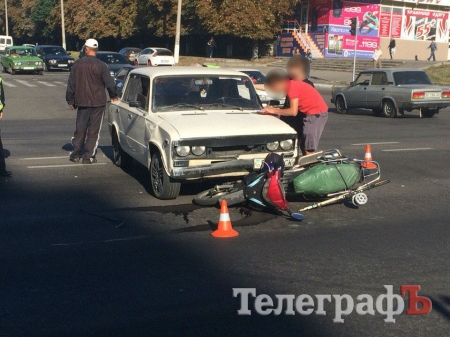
233	194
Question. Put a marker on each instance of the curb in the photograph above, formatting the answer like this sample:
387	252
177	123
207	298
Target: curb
323	85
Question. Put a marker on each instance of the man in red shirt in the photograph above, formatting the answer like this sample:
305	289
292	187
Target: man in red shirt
306	105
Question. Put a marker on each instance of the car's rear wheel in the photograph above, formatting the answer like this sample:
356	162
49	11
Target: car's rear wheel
121	158
340	105
389	109
149	63
136	62
428	113
162	185
12	71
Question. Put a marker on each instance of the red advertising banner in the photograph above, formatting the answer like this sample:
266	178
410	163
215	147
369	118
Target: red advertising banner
425	25
385	24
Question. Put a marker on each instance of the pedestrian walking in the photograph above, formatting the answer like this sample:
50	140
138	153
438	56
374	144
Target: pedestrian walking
3	171
309	57
391	47
86	92
211	46
376	57
433	48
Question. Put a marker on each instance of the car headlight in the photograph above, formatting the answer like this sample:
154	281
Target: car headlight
272	146
198	150
112	73
262	97
52	61
70	61
182	151
286	144
17	63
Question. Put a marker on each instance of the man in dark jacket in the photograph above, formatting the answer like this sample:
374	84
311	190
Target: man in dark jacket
3	172
86	92
391	47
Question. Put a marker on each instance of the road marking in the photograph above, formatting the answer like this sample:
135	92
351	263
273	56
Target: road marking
9	84
60	83
26	83
43	158
57	166
380	143
413	149
46	84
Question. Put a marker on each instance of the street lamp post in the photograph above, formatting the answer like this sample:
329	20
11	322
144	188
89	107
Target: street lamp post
176	51
63	27
6	18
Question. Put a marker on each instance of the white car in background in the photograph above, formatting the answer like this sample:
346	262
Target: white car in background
258	77
154	56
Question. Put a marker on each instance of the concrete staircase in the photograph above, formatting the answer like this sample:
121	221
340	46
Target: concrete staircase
306	42
341	64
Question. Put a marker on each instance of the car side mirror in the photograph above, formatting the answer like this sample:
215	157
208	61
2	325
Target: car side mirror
134	104
352	83
274	102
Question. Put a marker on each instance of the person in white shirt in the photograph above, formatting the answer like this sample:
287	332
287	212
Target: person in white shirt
377	57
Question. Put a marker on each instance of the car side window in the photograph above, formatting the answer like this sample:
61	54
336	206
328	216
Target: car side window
379	79
363	79
2	41
138	90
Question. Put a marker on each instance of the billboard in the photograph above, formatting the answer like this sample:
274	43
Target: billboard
425	25
332	18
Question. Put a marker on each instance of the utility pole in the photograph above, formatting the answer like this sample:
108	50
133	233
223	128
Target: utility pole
176	51
63	26
354	32
6	18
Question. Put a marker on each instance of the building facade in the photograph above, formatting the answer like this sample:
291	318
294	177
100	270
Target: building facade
323	27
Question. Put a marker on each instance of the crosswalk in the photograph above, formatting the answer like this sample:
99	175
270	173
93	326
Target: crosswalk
15	83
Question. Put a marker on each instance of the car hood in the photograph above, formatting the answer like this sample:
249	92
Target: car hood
215	124
58	57
25	59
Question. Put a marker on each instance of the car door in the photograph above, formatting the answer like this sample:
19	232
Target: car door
356	95
377	89
132	119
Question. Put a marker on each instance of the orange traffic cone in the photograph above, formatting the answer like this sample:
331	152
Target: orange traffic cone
368	159
224	228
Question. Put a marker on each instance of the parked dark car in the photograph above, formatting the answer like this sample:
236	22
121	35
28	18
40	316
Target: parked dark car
130	53
114	61
54	57
121	77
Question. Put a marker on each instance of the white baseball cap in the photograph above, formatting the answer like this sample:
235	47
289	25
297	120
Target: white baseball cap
91	43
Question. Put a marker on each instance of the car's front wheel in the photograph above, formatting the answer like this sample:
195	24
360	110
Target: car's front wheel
12	71
162	185
428	113
389	109
340	105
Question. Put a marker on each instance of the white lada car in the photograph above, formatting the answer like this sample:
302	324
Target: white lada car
191	123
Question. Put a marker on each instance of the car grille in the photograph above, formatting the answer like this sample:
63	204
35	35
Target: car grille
234	150
29	63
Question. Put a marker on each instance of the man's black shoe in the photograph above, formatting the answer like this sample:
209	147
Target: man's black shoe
5	174
74	159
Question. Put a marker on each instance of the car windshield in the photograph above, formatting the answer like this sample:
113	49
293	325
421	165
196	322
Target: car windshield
54	51
256	76
411	78
22	52
163	52
112	58
204	93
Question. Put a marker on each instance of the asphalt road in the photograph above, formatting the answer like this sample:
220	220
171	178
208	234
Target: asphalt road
87	251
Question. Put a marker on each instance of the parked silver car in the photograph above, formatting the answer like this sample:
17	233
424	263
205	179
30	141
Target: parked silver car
391	92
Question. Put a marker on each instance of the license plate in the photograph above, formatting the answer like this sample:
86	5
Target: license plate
62	65
257	163
28	68
432	94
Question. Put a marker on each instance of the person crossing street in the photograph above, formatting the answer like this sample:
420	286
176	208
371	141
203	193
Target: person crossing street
86	92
